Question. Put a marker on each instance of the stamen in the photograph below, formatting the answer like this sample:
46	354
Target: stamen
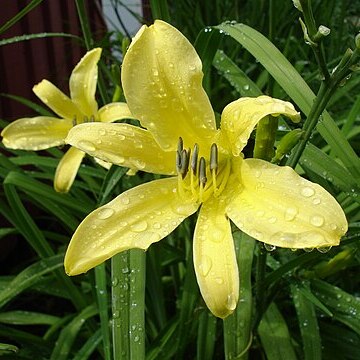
214	157
74	121
178	160
92	118
86	119
185	157
194	158
180	145
202	171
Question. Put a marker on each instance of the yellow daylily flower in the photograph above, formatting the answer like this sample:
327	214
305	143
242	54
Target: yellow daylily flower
162	82
43	132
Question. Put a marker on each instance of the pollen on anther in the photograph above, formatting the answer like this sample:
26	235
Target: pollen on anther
194	158
202	171
214	157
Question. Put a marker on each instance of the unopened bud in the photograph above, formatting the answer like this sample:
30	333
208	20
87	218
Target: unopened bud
286	144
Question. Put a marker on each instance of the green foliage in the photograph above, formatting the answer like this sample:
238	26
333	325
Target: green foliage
293	305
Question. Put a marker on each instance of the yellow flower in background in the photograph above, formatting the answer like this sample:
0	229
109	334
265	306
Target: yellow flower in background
162	82
43	132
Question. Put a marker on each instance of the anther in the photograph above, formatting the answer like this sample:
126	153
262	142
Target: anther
74	121
86	119
194	158
185	157
178	160
214	157
180	145
202	171
92	118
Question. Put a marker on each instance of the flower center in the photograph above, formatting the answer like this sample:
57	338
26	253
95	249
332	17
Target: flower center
85	119
199	178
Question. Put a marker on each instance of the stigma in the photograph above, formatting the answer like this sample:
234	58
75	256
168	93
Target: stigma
199	177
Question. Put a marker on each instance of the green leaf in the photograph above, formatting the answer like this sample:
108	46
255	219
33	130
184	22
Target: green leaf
8	348
295	86
20	14
26	37
237	326
236	77
344	306
308	324
70	332
89	346
30	276
274	335
20	317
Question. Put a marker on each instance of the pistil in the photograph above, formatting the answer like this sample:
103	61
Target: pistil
197	182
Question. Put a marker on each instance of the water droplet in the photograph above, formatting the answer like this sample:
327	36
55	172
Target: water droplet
291	213
114	281
308	249
205	265
324	249
125	270
105	213
125	200
156	225
269	247
317	220
86	145
102	132
272	220
219	280
307	191
116	314
257	173
231	302
140	226
316	201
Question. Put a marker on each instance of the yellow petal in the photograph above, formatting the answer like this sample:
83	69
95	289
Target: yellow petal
36	133
162	81
135	219
103	163
56	100
83	82
241	116
277	206
124	145
214	259
67	169
114	111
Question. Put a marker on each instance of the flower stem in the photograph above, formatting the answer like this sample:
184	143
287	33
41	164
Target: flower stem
102	300
128	304
321	100
237	326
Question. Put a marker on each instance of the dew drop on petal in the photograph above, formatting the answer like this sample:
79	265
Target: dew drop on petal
86	145
231	302
317	220
307	191
324	249
219	280
269	247
290	213
316	201
156	225
105	213
272	220
140	226
125	200
205	265
102	132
